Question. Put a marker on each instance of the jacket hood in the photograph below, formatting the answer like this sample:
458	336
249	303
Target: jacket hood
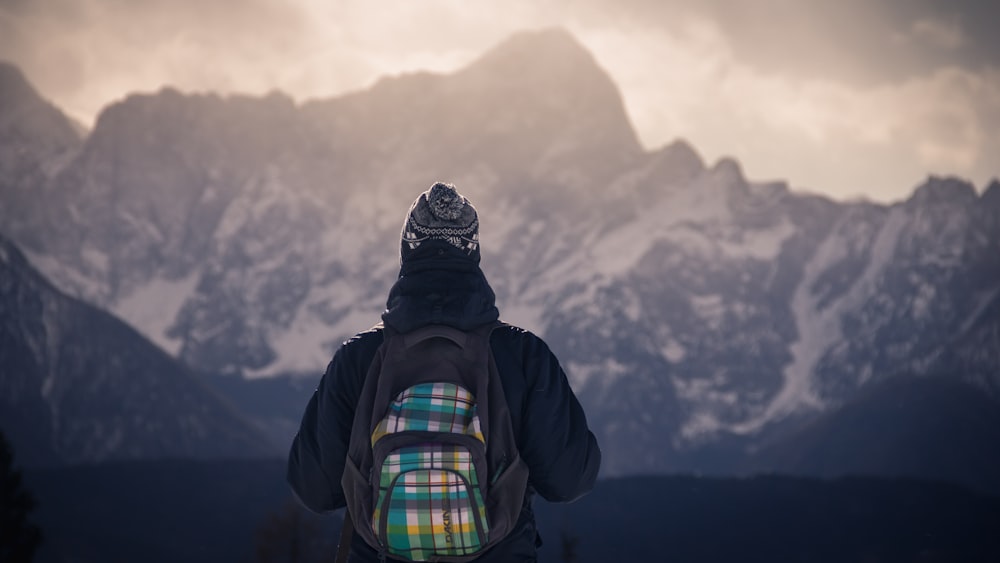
439	284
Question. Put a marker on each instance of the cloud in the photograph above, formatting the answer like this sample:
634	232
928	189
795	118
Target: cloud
87	53
845	98
824	135
944	34
861	42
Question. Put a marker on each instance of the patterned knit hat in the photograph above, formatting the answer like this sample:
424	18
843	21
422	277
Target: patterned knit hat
444	214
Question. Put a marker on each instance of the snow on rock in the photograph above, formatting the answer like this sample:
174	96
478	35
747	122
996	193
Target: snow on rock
711	309
603	373
153	308
524	315
983	301
618	251
68	279
306	346
699	425
673	351
693	218
819	328
759	244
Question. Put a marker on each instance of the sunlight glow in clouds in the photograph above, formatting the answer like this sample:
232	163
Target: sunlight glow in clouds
693	85
947	35
694	77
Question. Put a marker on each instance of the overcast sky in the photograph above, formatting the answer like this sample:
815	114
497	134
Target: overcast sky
848	98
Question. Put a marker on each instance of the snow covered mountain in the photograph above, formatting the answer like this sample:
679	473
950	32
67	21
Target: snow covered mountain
696	312
81	386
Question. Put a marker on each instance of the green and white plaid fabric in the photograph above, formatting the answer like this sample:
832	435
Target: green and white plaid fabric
429	493
433	407
433	503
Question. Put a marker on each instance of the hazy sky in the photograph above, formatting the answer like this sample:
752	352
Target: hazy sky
847	97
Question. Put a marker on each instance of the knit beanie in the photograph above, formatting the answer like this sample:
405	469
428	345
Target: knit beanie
441	213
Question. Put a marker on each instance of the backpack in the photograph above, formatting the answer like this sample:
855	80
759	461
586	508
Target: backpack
433	472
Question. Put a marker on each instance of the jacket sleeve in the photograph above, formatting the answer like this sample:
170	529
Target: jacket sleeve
319	450
561	452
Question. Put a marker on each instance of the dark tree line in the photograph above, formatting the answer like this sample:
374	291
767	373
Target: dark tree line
292	534
19	538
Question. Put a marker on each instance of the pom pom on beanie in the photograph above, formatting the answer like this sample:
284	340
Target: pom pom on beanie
441	213
445	202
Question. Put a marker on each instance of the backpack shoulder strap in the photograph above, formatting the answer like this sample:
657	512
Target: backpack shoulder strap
422	334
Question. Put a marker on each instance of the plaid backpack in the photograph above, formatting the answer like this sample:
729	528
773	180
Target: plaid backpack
433	472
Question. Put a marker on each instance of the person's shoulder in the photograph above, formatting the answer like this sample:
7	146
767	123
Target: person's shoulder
509	331
366	337
516	337
363	343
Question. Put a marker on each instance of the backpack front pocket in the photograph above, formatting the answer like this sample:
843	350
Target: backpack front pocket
429	503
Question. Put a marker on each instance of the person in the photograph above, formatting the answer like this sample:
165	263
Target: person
440	282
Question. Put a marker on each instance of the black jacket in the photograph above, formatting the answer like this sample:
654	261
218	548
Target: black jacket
550	427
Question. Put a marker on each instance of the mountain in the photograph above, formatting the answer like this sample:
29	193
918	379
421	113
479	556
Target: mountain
536	106
81	386
699	314
38	140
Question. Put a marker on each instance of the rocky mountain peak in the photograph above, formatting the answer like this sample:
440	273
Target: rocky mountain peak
198	122
939	190
549	81
728	174
27	118
676	162
537	50
535	103
38	140
991	196
14	88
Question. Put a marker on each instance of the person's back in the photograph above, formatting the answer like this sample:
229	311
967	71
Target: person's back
440	283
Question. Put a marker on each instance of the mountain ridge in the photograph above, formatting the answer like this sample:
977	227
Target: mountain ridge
80	386
693	308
